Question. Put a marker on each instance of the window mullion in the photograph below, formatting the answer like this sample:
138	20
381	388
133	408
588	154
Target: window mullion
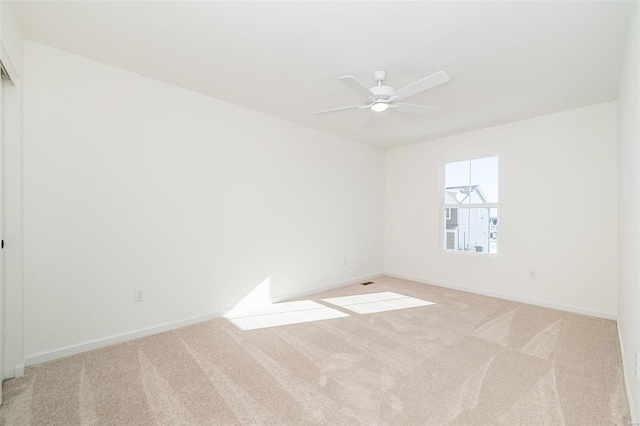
482	205
472	206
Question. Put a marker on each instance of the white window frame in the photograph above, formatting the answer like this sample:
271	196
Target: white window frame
446	208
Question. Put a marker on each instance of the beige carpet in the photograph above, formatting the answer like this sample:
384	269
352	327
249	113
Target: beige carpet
465	359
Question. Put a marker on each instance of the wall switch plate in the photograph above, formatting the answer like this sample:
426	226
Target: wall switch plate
138	295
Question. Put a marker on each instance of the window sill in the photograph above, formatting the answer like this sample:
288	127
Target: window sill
470	253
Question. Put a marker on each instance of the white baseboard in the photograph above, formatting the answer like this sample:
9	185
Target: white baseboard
112	340
119	338
328	287
18	370
558	306
626	380
295	295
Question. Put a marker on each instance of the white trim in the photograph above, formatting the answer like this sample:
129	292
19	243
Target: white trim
472	206
558	306
18	370
123	337
8	66
470	253
626	379
13	213
327	287
296	295
112	340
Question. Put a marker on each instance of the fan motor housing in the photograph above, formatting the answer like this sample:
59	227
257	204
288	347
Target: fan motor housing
382	92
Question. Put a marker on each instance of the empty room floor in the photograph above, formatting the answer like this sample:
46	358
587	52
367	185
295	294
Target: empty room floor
410	354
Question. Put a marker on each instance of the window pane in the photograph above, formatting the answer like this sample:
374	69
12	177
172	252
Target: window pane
484	180
479	229
456	229
457	183
493	229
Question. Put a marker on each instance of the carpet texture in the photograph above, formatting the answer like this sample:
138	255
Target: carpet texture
466	360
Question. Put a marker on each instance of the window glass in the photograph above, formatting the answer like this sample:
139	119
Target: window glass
457	183
456	232
484	179
479	230
493	231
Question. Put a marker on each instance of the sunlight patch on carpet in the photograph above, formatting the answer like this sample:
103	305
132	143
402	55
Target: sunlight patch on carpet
284	314
377	302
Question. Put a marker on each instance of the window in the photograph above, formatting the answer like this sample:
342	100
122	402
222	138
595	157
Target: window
470	201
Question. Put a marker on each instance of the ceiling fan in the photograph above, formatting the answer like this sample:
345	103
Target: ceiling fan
381	98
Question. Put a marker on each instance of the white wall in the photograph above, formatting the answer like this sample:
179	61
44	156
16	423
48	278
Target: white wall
129	182
629	207
557	211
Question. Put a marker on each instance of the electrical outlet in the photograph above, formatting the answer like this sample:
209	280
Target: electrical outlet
346	261
532	275
138	295
637	366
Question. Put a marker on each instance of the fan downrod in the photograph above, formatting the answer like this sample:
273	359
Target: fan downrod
379	77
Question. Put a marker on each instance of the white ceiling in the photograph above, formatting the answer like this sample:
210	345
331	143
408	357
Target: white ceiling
507	60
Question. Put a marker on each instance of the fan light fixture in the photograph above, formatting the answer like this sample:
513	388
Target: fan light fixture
379	107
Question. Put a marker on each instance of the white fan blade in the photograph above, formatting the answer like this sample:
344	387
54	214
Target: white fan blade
416	109
340	109
371	120
426	83
355	85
